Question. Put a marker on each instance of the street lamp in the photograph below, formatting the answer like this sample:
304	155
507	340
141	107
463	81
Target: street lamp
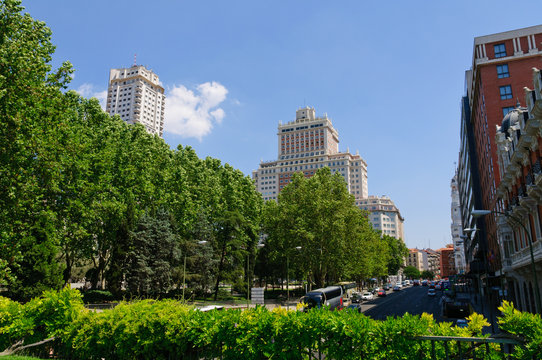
202	242
248	274
288	278
479	213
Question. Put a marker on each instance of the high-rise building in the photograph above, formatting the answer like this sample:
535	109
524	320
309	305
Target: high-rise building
457	229
384	215
501	68
135	94
305	145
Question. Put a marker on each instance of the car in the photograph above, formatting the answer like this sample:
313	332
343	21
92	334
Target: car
354	307
424	283
355	298
367	296
431	292
399	285
416	283
432	285
396	288
438	287
462	323
382	293
385	287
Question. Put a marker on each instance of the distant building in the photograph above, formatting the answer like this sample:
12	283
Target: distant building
305	145
447	261
431	261
384	215
135	94
457	229
415	258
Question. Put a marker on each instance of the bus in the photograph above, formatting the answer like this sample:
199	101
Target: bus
331	297
349	287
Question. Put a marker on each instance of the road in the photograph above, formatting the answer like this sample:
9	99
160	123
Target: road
413	300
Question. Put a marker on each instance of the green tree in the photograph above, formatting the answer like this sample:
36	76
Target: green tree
397	252
30	102
320	216
426	274
411	272
155	251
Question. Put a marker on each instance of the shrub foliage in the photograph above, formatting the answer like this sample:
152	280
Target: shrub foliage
167	329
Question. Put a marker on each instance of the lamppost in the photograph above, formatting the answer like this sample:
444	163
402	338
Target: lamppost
479	213
184	267
288	278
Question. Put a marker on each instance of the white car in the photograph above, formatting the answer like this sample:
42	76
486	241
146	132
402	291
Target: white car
367	296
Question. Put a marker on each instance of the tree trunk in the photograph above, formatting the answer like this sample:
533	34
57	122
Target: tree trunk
220	265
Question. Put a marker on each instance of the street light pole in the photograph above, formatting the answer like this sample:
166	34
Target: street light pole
478	213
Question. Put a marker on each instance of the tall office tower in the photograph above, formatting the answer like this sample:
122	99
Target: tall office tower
305	145
135	94
457	229
501	68
384	215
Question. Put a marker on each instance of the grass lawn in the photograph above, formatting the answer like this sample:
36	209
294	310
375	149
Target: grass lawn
13	357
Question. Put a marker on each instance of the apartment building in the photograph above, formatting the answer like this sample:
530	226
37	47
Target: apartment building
135	94
384	215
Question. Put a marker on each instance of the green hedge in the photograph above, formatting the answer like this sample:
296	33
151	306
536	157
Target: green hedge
168	330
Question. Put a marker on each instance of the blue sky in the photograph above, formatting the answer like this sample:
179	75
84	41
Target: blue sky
390	75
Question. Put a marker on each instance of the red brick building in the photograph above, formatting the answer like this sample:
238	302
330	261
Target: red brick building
447	261
502	67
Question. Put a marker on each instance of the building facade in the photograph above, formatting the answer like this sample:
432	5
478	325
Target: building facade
447	261
519	217
383	215
501	67
305	145
415	258
457	229
135	94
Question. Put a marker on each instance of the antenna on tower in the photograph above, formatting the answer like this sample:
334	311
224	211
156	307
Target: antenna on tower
135	60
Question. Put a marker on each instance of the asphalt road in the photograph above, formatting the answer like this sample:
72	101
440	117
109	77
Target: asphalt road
413	300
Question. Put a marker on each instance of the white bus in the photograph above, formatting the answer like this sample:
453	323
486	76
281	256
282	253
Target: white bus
330	297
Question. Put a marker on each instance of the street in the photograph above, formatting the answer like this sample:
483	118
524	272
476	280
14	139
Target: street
413	300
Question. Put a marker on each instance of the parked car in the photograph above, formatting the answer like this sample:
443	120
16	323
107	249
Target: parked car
382	293
462	323
438	287
396	288
355	298
431	292
386	287
424	283
416	283
354	307
367	296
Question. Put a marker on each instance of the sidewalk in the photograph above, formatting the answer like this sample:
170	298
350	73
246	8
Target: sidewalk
481	305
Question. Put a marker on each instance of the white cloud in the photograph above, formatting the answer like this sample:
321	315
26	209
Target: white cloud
194	113
87	90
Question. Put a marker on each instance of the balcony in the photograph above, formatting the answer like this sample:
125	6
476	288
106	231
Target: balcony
522	258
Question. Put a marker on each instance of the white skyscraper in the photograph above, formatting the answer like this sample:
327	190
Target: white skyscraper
384	215
305	145
135	94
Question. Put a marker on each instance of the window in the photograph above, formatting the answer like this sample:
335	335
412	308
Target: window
506	110
502	71
500	50
506	92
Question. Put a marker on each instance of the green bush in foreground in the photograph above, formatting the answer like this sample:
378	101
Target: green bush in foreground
168	330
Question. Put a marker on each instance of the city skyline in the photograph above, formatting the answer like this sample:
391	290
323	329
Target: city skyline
231	73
